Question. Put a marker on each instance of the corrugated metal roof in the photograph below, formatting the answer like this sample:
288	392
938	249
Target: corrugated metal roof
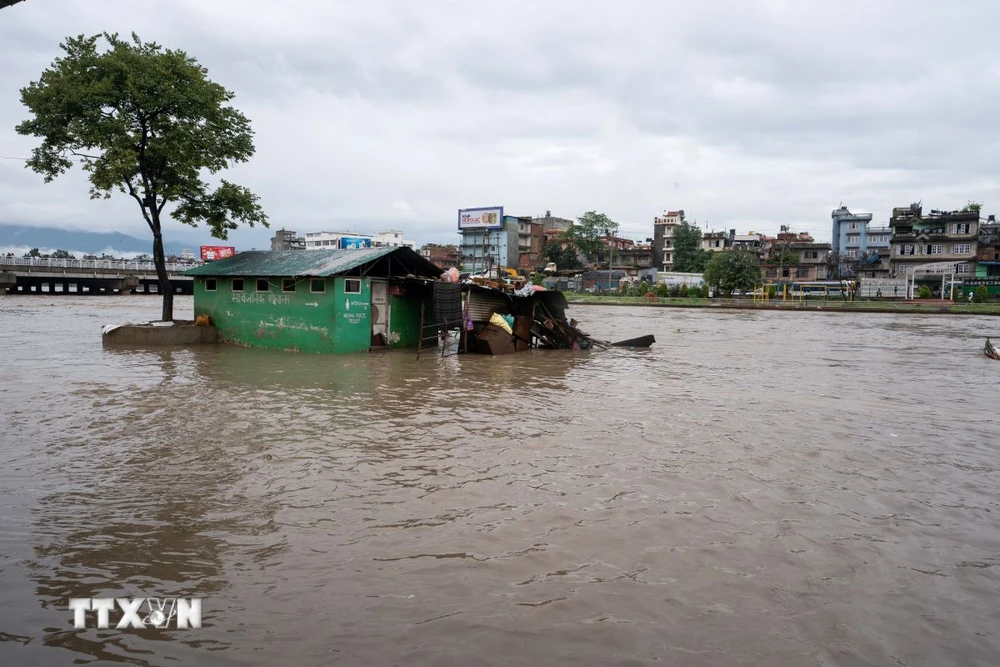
318	263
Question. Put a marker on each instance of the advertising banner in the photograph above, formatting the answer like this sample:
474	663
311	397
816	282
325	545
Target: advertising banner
210	252
480	218
354	242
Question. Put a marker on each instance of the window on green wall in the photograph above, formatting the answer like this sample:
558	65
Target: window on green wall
317	286
288	285
262	285
352	286
237	284
210	285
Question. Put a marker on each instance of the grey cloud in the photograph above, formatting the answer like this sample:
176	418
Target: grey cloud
761	112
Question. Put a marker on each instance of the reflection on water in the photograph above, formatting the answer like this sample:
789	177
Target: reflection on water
759	488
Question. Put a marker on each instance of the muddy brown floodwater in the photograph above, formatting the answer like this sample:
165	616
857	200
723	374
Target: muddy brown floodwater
764	488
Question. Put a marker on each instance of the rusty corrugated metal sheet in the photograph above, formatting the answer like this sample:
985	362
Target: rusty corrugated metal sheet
318	263
484	302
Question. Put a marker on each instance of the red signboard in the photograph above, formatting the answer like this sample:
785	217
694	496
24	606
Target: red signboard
210	252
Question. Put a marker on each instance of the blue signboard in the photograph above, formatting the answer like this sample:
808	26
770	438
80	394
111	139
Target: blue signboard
354	242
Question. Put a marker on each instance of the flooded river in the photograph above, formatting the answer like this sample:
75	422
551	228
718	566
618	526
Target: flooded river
758	489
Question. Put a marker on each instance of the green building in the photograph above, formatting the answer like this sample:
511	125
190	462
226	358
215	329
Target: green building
317	300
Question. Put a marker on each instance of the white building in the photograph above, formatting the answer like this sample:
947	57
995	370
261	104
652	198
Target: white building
334	240
326	240
391	239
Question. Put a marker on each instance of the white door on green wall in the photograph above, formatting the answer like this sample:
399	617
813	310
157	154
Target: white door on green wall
380	312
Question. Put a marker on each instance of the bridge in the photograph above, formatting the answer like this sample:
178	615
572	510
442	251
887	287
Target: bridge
38	275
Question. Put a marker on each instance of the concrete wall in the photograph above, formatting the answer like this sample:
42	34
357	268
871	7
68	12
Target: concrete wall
149	336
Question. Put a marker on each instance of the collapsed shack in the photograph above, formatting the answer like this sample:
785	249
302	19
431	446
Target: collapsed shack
495	321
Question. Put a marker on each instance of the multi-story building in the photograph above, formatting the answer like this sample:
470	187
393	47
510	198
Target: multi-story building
332	240
391	239
633	259
988	252
663	241
487	249
873	260
859	249
850	232
941	237
797	257
445	256
286	239
714	241
530	241
749	241
550	223
637	260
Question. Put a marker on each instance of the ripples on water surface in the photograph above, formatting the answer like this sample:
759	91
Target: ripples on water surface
758	489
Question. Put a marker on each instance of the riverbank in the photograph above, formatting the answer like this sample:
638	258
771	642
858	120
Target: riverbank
930	307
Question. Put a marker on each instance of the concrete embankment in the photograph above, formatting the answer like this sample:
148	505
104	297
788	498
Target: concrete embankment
149	335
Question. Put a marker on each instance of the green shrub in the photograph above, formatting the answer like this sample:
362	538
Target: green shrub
675	290
981	294
924	292
685	291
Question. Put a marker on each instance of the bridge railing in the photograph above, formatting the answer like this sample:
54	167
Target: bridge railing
93	264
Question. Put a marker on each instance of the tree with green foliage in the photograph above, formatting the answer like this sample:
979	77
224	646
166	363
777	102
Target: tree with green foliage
733	270
565	259
147	122
924	292
981	295
62	254
590	232
34	252
973	207
688	255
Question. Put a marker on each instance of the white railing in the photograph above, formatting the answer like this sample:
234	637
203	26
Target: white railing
92	264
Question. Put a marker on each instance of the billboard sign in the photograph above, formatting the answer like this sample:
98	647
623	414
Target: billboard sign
354	242
211	252
480	218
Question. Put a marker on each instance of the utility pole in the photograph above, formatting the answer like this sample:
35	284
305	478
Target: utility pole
607	235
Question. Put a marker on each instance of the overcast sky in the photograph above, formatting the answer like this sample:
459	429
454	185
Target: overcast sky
748	114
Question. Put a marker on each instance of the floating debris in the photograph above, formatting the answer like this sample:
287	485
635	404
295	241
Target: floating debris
500	317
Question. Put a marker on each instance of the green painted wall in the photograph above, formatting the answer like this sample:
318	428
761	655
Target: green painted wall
331	321
352	317
404	320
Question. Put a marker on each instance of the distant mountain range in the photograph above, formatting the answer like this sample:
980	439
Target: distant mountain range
48	239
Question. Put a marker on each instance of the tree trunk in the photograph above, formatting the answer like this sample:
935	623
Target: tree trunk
166	289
